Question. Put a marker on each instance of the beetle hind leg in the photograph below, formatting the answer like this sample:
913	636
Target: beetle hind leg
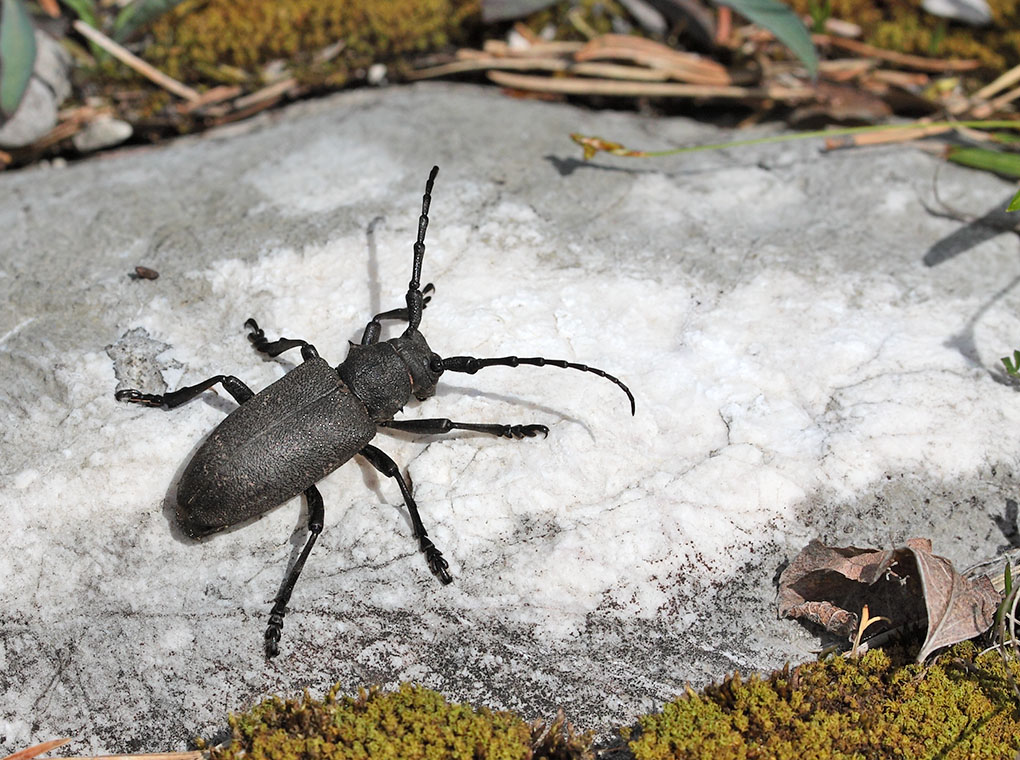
382	462
235	387
316	516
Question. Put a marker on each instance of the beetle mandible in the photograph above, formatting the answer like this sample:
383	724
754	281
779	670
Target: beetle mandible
280	442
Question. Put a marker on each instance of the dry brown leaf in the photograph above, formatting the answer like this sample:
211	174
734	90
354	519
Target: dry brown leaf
958	608
830	585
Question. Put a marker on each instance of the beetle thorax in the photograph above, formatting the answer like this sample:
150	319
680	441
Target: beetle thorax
385	376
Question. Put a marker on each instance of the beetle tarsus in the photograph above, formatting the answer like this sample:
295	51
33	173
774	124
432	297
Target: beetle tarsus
273	631
525	431
437	563
131	396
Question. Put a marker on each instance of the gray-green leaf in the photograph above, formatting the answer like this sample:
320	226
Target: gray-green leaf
17	54
138	14
782	22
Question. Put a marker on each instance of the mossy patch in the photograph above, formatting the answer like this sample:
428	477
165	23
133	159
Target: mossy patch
412	723
226	41
877	706
960	707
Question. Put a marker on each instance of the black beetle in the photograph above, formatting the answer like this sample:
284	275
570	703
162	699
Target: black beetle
280	442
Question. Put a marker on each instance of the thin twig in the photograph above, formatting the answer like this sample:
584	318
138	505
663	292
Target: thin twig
125	56
583	86
607	70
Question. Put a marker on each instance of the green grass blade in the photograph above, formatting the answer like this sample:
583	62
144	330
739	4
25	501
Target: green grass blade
83	9
138	14
783	23
1006	164
17	54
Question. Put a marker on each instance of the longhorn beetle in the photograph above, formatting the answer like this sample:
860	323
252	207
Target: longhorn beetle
281	441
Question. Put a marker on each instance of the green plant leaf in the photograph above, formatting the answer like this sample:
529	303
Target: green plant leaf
1006	164
1012	367
138	14
782	22
17	54
1014	205
83	9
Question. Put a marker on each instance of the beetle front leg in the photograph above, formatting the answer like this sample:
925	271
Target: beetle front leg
231	384
388	467
440	425
374	328
316	517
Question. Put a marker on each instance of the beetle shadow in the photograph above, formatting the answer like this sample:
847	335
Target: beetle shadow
374	286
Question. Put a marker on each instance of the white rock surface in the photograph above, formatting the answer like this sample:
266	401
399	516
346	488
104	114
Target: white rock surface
812	353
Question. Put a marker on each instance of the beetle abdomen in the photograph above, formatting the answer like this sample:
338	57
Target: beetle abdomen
271	448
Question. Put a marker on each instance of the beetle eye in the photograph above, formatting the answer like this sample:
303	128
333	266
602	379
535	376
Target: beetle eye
436	364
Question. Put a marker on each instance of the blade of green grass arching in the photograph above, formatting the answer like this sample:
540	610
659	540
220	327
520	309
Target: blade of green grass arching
1006	164
86	11
783	23
138	14
83	9
17	54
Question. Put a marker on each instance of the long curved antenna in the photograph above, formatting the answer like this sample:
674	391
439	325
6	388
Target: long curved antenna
415	303
471	364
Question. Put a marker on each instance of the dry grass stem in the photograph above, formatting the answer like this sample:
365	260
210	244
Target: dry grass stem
1001	82
884	138
916	62
269	94
37	749
211	97
128	58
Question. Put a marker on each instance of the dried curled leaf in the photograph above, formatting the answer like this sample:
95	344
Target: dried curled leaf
909	585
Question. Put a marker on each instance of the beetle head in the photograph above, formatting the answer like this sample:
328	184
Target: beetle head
423	364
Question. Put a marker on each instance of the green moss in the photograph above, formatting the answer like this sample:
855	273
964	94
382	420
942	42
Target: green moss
200	37
877	706
410	724
960	707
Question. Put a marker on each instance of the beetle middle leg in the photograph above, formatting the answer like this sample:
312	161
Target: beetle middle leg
231	384
382	462
440	425
263	345
316	517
